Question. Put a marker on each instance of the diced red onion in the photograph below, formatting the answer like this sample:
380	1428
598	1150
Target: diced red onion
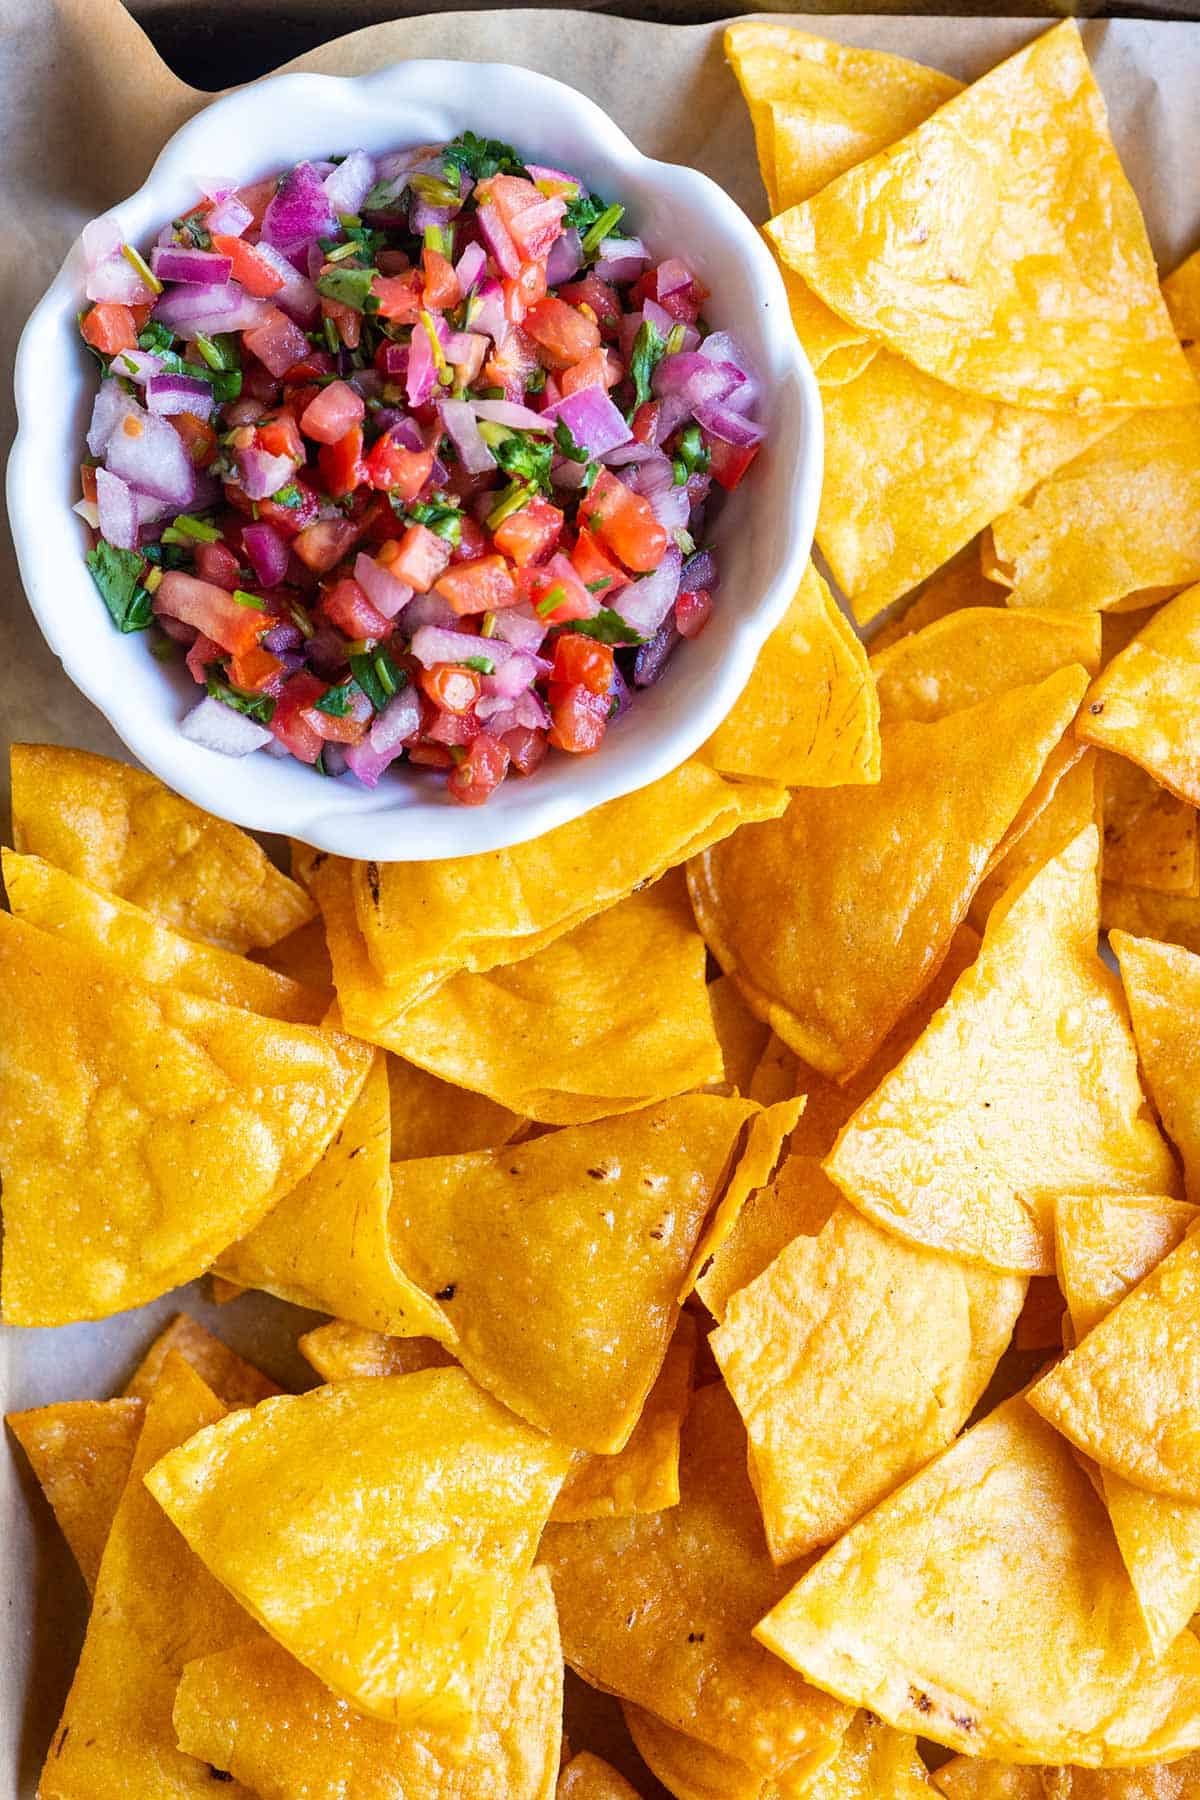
721	347
421	377
618	690
206	491
565	259
502	715
699	571
645	603
592	419
517	671
299	212
277	341
151	510
350	182
728	425
168	394
400	718
117	280
508	412
101	239
260	474
520	627
195	268
433	644
621	259
652	658
281	640
153	459
429	609
496	235
471	265
218	727
695	378
117	510
660	319
229	307
267	554
229	217
385	592
298	296
542	172
423	216
137	365
111	405
467	350
567	474
628	455
671	276
463	429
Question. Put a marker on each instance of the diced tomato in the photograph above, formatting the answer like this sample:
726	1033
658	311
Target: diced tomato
533	220
394	468
625	523
400	297
485	585
472	541
278	342
346	319
692	613
579	659
481	770
562	333
218	564
728	462
259	383
280	436
645	422
253	271
289	721
108	327
87	480
210	609
332	413
430	756
531	533
323	543
683	305
343	728
602	299
257	196
450	688
200	658
420	557
298	396
527	748
346	606
599	368
341	464
316	362
556	593
441	286
453	728
141	314
524	290
199	438
256	671
512	364
580	718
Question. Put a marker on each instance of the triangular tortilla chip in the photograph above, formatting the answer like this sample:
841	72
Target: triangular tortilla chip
687	1768
234	1381
975	1778
132	939
1144	706
797	1203
431	1117
838	353
1069	809
658	1609
586	1777
1173	918
142	1129
340	1352
959	583
1129	1395
257	1712
81	1452
936	1609
741	1035
853	1359
1162	986
588	1230
610	1017
819	106
807	717
302	956
1023	1088
756	1167
380	1529
1040	1324
423	922
156	1607
1150	836
834	917
326	1244
1181	291
974	653
118	828
999	246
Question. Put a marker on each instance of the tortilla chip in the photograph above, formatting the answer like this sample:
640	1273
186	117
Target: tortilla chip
998	1548
431	1117
975	653
658	1608
301	956
1173	918
258	1713
959	583
129	938
819	107
833	960
1145	703
234	1381
741	1035
808	716
81	1451
380	1529
1039	1326
586	1777
1150	836
326	1244
644	1476
1181	291
687	1768
1024	1088
797	1203
611	1017
120	829
756	1167
853	1359
971	1778
838	353
977	1778
156	1607
588	1230
142	1129
340	1352
999	246
1121	517
1162	986
423	922
1069	809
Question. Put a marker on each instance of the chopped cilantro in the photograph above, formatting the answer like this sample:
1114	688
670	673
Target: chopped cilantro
289	496
583	211
553	598
535	381
691	455
155	336
602	227
377	676
118	575
187	526
337	701
242	598
482	665
516	495
648	351
260	707
349	287
436	515
482	157
525	456
222	352
566	444
608	627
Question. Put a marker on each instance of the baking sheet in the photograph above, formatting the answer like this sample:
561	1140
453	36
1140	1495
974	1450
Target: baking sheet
85	105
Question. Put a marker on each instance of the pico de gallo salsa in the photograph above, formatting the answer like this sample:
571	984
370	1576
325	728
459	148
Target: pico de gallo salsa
410	457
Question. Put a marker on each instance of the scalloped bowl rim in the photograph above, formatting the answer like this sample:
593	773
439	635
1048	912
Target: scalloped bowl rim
410	819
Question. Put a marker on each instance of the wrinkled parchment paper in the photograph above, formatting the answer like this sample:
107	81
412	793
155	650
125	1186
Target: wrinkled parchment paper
85	105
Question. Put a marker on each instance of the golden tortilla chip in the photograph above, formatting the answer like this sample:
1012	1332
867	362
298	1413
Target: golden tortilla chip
687	1768
999	246
156	1608
421	923
81	1451
936	1609
838	353
586	1777
1173	918
853	1359
1181	291
819	107
1024	1088
339	1352
1144	705
756	1167
797	1203
1039	1326
234	1381
258	1713
120	829
833	960
975	653
380	1529
960	583
590	1231
1150	836
431	1117
1162	986
302	956
741	1035
1069	809
644	1476
129	938
658	1608
326	1245
808	716
142	1129
610	1017
1118	519
975	1778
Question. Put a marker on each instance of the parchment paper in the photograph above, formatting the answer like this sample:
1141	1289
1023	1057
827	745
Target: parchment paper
85	105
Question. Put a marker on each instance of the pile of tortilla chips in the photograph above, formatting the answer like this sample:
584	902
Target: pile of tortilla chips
756	1226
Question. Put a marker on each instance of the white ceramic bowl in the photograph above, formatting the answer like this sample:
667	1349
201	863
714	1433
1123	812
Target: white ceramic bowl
764	530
